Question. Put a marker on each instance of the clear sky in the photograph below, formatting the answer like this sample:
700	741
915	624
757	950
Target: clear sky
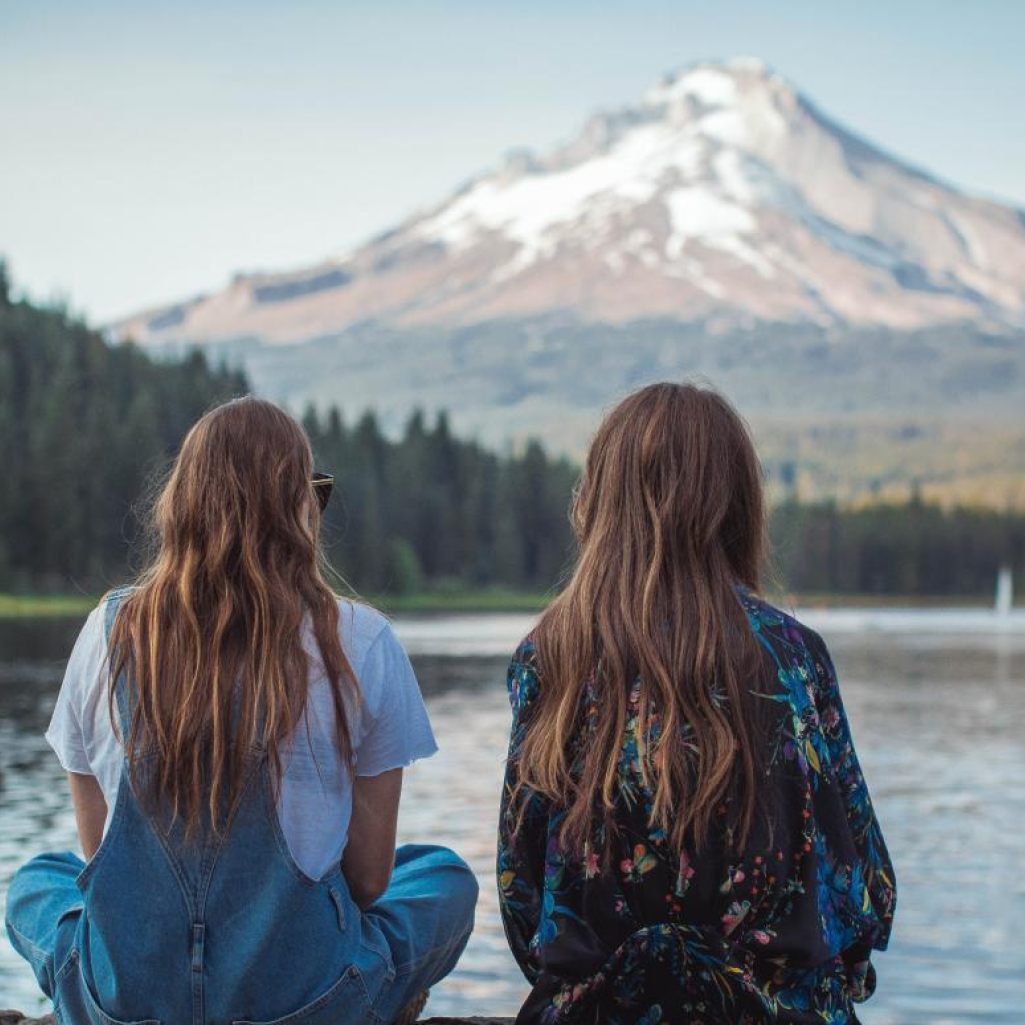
148	151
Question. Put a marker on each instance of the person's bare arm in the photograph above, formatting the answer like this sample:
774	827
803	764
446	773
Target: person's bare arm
370	851
90	811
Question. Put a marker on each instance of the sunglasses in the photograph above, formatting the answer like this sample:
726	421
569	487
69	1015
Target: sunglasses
323	483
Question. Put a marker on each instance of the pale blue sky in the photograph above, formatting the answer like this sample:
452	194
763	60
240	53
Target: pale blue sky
147	151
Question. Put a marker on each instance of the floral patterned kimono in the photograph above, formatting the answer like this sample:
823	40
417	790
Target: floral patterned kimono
781	932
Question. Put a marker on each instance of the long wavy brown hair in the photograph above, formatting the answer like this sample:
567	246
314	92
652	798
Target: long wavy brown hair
669	520
211	640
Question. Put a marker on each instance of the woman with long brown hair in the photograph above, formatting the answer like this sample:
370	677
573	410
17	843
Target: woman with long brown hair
235	735
686	834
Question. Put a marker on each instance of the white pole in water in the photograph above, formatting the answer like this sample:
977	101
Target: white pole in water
1005	592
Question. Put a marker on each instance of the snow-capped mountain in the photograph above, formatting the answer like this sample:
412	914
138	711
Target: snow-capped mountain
722	196
868	319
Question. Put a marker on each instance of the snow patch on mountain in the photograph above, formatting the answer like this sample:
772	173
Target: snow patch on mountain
638	163
527	208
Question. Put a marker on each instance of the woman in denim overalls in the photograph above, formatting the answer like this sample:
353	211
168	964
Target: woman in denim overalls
236	775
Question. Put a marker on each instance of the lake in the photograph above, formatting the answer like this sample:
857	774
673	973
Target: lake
936	702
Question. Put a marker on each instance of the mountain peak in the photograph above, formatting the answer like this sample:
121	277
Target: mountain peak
715	83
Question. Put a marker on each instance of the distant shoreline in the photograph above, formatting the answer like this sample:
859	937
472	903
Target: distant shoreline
14	606
32	606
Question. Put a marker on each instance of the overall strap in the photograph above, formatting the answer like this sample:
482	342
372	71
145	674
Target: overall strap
111	604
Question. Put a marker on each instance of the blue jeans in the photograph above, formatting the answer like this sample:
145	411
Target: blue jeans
425	916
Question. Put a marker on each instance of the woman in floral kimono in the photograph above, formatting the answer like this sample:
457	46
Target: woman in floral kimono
686	834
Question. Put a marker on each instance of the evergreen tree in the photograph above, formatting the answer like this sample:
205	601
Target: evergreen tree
82	425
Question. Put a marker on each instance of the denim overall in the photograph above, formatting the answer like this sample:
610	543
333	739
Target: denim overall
230	931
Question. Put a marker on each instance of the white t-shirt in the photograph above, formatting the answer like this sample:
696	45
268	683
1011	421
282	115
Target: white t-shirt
390	731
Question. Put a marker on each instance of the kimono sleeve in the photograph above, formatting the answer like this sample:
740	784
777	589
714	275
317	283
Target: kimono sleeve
522	827
857	899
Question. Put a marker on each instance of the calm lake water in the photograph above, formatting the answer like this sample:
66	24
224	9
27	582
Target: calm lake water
937	705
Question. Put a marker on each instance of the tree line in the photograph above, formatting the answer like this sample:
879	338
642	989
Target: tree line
906	548
85	425
430	510
87	429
